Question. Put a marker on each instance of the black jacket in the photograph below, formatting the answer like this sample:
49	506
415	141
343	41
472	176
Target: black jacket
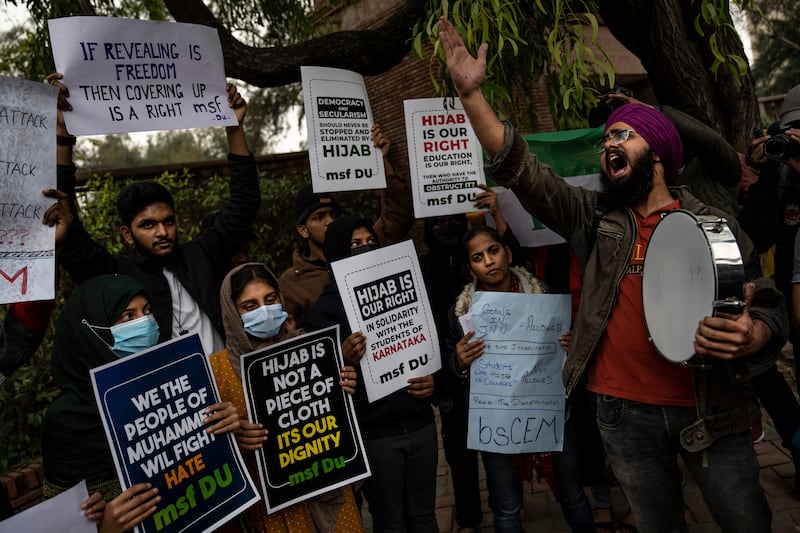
200	265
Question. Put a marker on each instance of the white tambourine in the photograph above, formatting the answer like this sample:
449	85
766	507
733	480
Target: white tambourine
692	269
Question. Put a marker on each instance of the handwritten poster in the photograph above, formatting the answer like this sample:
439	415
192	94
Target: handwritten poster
516	395
338	120
60	513
314	443
139	75
152	408
444	156
385	298
27	165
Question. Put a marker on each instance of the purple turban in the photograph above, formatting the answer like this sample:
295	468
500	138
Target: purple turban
655	128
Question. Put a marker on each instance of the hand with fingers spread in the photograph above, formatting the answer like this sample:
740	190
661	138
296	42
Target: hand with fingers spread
354	347
224	416
732	336
420	387
467	72
250	436
348	378
129	509
466	351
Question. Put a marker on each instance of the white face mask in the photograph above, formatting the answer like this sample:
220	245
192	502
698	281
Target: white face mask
264	322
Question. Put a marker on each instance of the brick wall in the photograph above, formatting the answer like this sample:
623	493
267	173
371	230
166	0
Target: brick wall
21	488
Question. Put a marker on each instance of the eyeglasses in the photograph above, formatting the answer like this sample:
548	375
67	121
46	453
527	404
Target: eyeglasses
615	137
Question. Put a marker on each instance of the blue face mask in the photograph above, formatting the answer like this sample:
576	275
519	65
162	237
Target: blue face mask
264	322
135	335
132	336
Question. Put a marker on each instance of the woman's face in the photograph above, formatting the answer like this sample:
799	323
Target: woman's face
489	262
255	294
138	307
361	237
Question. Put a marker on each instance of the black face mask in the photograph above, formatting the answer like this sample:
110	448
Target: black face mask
449	234
363	249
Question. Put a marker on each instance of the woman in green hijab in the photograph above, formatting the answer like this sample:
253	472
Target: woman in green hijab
105	318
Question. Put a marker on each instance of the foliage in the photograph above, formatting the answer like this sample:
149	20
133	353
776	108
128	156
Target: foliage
713	19
527	39
776	45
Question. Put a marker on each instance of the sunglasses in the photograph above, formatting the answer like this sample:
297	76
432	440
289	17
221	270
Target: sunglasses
615	137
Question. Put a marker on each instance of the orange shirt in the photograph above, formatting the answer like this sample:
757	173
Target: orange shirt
626	364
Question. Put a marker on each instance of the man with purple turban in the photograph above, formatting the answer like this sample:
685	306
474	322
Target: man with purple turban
649	410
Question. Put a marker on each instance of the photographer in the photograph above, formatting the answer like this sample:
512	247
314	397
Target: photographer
771	216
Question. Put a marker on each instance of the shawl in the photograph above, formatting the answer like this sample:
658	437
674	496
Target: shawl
324	508
237	341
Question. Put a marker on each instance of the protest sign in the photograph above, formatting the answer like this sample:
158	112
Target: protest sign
139	75
516	396
444	157
152	407
338	120
385	298
61	513
572	156
314	443
28	165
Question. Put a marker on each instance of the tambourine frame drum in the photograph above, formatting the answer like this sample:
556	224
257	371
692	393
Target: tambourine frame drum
692	269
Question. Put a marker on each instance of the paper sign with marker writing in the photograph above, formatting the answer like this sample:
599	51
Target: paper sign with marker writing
139	75
27	166
444	157
314	445
338	120
384	297
152	405
516	396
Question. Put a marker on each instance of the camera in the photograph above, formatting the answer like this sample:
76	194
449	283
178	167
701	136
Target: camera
780	146
600	114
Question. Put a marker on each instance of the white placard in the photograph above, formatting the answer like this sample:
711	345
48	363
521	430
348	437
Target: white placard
338	120
139	75
516	396
444	157
27	166
527	229
60	513
385	298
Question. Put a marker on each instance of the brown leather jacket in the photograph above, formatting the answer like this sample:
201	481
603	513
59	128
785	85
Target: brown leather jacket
604	242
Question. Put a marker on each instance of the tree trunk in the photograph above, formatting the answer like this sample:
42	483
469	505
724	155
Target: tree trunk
367	52
662	35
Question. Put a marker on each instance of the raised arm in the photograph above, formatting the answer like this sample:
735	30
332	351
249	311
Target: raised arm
468	74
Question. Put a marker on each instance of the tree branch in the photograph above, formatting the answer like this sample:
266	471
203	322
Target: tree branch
367	52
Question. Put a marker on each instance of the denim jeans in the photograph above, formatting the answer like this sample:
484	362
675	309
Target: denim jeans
569	483
402	489
643	441
505	491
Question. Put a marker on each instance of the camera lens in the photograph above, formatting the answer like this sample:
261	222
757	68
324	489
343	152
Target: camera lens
777	147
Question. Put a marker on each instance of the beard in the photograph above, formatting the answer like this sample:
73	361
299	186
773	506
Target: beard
633	190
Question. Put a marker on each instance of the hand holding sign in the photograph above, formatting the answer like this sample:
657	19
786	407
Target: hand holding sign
129	509
225	415
466	351
250	436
